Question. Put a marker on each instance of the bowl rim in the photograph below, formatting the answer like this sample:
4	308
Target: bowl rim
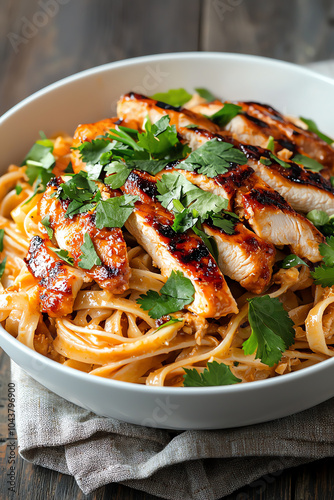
130	386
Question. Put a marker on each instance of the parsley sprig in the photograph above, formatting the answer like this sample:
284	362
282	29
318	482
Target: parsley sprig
39	164
177	292
324	274
214	374
272	330
223	116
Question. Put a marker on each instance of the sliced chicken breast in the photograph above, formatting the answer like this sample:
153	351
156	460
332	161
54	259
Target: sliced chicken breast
58	283
114	271
151	225
243	256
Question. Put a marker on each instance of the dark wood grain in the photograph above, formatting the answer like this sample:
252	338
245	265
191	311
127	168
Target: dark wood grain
86	33
300	32
83	34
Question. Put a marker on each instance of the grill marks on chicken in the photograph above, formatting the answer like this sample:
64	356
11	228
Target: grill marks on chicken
251	197
259	121
243	256
58	283
114	272
151	225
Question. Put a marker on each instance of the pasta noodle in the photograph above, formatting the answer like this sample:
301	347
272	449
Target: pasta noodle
111	336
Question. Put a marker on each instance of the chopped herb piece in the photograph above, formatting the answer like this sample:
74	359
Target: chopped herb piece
192	125
89	257
265	161
312	126
272	330
177	292
271	144
115	211
292	260
184	220
3	266
308	163
324	276
205	94
332	181
176	186
2	234
172	321
214	374
39	164
174	97
327	251
213	158
46	224
225	114
18	189
82	192
63	255
279	161
91	152
120	172
225	221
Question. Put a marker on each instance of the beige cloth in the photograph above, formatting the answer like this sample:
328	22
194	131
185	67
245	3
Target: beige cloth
189	465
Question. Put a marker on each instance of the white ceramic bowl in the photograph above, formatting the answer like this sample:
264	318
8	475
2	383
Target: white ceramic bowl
90	96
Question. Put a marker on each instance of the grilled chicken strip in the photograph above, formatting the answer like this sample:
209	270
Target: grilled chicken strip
243	256
272	207
303	189
58	283
150	224
259	121
114	272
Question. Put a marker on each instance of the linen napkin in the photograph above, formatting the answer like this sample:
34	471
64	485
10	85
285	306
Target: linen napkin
192	465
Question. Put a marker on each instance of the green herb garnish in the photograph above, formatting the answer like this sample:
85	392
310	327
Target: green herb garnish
225	114
292	260
272	330
89	257
177	292
308	163
214	374
174	97
312	126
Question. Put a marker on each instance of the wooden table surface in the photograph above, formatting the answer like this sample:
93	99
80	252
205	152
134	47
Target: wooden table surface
45	40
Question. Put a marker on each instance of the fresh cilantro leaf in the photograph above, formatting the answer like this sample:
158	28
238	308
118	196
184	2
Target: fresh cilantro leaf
208	241
3	266
265	161
272	330
225	114
82	192
39	164
153	167
176	186
322	221
214	374
327	251
332	181
2	234
308	163
91	152
271	144
18	189
115	211
225	221
312	126
159	138
318	217
177	292
323	275
279	161
213	158
63	255
172	321
46	224
174	97
291	261
89	257
184	220
192	125
120	172
205	94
